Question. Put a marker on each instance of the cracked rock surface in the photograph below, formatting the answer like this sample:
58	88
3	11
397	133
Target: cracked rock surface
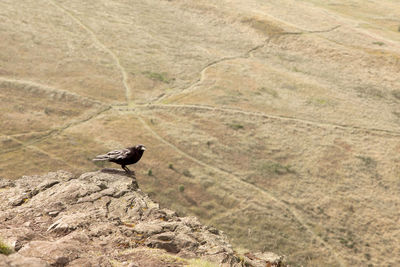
104	219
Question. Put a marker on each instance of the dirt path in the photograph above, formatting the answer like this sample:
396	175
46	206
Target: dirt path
29	85
251	187
23	134
356	26
269	116
193	86
69	13
41	151
247	54
54	132
199	82
25	84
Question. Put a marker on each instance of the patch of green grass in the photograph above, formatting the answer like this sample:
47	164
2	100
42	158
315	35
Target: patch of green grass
379	43
347	243
397	114
236	126
269	91
319	102
368	161
181	188
5	249
396	94
171	166
368	90
155	76
187	173
150	172
276	168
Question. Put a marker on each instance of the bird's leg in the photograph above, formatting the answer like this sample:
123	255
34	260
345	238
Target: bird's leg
126	169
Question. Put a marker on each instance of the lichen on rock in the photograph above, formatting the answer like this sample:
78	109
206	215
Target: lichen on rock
104	219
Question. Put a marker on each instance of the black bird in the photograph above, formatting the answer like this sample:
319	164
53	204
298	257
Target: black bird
123	157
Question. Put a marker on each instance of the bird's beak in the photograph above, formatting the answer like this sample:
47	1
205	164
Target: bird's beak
143	148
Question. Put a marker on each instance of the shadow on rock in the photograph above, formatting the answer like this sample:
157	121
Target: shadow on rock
63	220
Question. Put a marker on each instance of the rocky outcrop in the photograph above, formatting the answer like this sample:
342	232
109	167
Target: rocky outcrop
104	219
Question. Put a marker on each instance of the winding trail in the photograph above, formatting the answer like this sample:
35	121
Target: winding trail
41	151
358	28
246	54
23	134
249	187
29	85
308	31
34	86
264	115
54	132
192	87
128	90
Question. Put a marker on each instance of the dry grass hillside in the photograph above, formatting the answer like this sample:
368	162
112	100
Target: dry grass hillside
276	121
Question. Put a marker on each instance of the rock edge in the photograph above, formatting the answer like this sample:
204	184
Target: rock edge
103	219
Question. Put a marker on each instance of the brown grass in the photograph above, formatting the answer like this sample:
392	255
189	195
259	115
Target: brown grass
279	120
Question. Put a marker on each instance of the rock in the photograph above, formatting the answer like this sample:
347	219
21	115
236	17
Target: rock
90	262
261	259
148	229
4	183
186	242
164	241
103	219
57	253
17	260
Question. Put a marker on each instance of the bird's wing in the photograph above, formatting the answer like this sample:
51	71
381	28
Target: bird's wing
113	155
118	154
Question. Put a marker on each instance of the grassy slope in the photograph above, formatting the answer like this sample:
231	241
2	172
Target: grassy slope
277	122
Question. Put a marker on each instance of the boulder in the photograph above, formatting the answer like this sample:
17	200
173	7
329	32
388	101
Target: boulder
104	219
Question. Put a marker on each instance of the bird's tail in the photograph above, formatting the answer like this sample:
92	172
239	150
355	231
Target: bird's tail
101	158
